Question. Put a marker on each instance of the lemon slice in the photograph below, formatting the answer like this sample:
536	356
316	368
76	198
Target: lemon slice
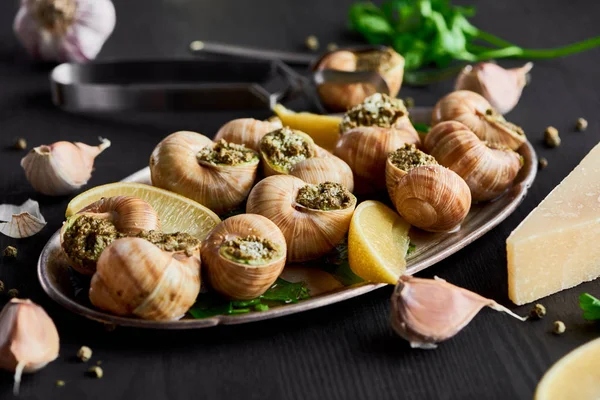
377	243
324	129
575	376
177	213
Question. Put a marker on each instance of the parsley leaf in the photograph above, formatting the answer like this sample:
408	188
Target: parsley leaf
590	306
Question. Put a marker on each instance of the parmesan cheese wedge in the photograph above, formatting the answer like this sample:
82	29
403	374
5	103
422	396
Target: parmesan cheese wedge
557	246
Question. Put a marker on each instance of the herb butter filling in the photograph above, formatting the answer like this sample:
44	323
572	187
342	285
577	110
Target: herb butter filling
324	196
251	249
224	153
284	148
377	110
86	238
409	157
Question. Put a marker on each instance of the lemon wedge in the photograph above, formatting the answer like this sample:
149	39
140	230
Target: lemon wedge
377	243
575	376
324	129
177	213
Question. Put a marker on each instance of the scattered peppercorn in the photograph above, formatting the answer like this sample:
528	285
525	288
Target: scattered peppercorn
581	124
409	102
20	144
95	372
99	362
84	353
559	327
10	251
538	311
332	47
60	383
551	137
542	163
312	42
1	286
12	293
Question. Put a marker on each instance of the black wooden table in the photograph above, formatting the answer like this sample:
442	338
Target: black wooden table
341	351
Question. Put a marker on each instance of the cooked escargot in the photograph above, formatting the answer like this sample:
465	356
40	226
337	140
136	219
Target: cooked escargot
246	131
86	234
152	276
243	256
313	218
488	170
426	194
341	96
218	175
281	149
474	111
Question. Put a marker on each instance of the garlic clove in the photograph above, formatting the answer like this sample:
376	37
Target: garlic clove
428	311
64	30
62	167
21	221
28	338
501	87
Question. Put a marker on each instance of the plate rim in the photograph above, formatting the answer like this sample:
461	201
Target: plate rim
519	192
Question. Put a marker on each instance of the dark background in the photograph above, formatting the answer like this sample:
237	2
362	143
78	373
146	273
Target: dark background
342	351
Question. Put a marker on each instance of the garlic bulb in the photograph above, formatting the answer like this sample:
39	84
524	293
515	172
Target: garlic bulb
85	235
313	218
365	150
28	338
21	221
428	311
246	131
427	195
341	96
487	170
136	277
501	87
218	175
64	30
474	111
62	167
243	256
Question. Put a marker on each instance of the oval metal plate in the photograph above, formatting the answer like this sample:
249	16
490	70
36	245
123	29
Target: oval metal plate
430	248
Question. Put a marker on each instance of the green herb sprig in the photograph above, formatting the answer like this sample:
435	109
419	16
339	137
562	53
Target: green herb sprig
590	306
434	32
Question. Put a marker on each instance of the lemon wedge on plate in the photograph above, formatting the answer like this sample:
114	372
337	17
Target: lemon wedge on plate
324	129
575	376
377	243
177	213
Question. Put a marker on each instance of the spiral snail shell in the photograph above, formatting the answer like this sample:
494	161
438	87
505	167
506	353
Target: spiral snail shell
312	218
487	170
427	195
246	131
243	256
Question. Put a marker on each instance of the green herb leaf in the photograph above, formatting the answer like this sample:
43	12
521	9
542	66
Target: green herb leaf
286	292
421	127
411	248
590	306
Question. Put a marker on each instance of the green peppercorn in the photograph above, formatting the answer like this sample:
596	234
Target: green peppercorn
551	137
559	328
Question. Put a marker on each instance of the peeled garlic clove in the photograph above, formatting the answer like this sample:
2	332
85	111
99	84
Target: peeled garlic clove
313	218
427	195
501	87
64	30
136	277
487	170
28	338
340	97
428	311
217	175
474	111
246	131
21	221
243	256
62	167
